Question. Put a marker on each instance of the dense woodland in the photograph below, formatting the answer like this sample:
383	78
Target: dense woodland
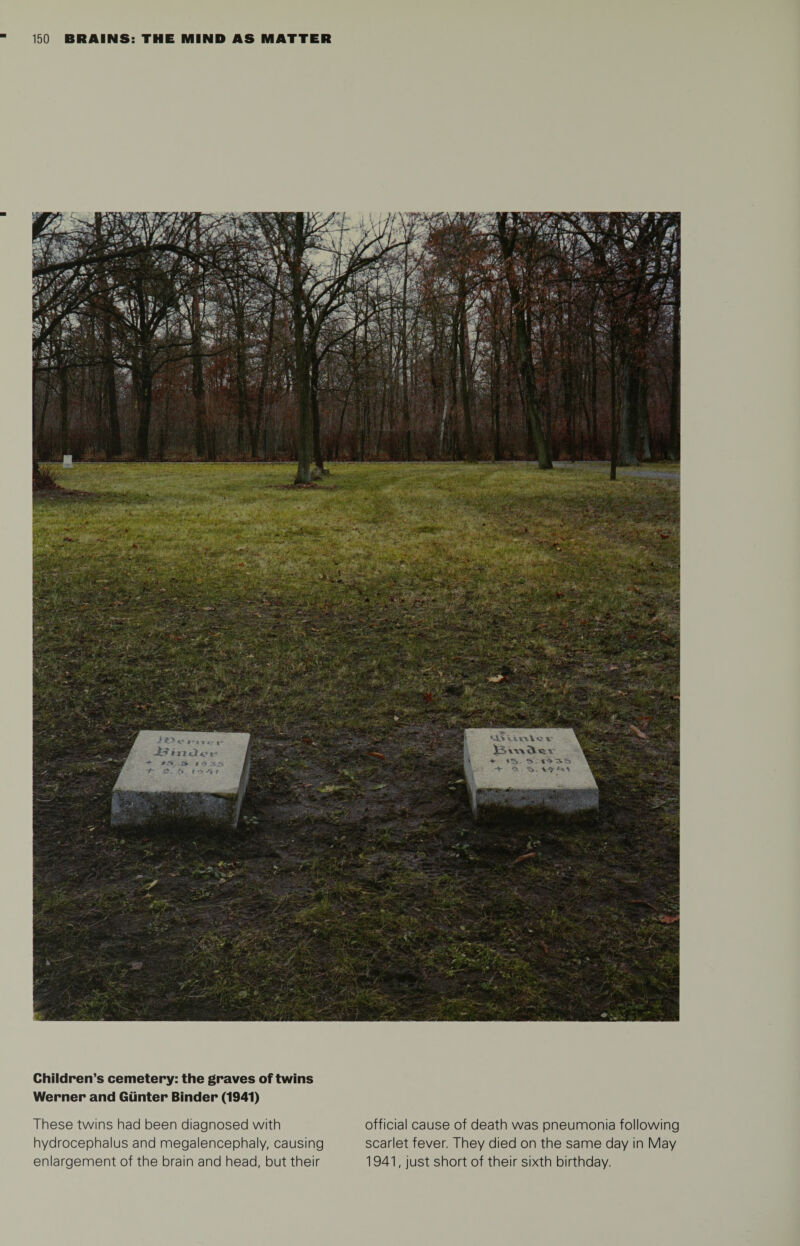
313	337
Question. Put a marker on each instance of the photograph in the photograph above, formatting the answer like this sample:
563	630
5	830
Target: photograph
356	616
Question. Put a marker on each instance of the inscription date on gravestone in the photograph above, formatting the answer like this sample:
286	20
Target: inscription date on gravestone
182	778
522	770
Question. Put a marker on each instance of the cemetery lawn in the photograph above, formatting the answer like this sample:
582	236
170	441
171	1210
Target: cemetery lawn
355	629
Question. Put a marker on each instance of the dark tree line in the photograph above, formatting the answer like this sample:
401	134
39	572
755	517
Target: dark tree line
320	336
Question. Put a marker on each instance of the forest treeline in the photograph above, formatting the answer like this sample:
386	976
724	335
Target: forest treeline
321	336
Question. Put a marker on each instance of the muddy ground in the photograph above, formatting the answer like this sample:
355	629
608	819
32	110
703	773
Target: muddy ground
285	918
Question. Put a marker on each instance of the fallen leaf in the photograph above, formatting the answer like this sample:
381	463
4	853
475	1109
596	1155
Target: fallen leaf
668	919
428	696
496	679
380	756
526	856
137	964
637	732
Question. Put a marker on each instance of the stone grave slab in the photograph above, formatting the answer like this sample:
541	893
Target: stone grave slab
181	778
519	770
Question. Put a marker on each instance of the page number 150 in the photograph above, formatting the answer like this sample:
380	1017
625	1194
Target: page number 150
41	38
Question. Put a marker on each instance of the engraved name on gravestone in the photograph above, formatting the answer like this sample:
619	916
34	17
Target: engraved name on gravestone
178	778
519	770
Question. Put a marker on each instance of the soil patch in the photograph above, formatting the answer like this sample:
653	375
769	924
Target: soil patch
354	889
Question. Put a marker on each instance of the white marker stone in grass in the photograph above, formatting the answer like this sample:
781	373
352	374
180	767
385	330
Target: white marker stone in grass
67	461
526	769
182	778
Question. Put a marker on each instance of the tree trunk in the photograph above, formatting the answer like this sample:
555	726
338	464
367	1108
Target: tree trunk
163	432
593	391
242	402
644	418
63	402
530	399
365	408
198	380
675	388
258	423
613	371
496	374
524	357
406	406
63	394
39	425
443	425
629	419
319	462
261	403
114	437
145	397
463	361
337	443
305	417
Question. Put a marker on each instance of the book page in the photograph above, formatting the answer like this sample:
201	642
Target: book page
687	1128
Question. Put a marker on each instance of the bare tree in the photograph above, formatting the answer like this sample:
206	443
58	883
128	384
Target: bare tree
461	334
630	253
317	290
508	233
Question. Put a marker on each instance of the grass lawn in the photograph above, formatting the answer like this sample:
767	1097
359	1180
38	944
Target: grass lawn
355	629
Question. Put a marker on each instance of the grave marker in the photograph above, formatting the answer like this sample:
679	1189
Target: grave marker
182	778
523	770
